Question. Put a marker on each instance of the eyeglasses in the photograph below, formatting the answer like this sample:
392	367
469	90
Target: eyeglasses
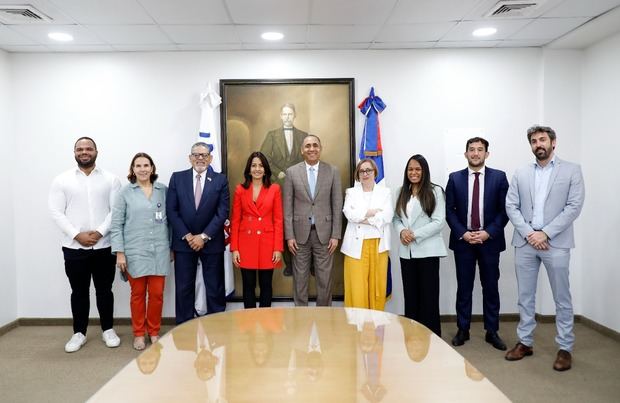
366	171
200	155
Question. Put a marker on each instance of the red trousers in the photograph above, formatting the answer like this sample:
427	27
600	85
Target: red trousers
146	319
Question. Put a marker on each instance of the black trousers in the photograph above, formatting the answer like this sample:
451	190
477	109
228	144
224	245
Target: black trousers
421	291
80	266
248	277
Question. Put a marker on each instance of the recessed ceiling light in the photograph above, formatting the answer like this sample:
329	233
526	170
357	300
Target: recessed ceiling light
484	31
60	36
272	36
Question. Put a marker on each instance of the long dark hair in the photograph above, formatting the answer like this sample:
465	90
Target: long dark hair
426	195
248	176
132	176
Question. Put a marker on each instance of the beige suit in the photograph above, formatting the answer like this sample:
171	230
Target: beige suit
299	208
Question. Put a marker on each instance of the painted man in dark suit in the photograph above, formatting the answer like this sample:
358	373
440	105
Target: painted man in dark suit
476	214
197	206
282	145
312	221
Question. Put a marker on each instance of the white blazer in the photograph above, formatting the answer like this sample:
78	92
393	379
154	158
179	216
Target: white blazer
355	210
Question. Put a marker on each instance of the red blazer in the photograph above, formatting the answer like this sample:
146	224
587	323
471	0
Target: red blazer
256	228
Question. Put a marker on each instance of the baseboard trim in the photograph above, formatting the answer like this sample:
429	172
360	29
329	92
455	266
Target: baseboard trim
8	327
167	321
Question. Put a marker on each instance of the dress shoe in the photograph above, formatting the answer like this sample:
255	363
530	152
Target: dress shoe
461	337
518	352
496	341
562	361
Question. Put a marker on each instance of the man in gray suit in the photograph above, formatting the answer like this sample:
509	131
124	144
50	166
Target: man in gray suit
543	200
312	221
281	146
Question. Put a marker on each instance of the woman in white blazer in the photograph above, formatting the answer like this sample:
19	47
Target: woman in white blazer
419	218
368	209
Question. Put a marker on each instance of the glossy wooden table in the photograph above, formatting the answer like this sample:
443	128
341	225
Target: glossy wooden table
300	355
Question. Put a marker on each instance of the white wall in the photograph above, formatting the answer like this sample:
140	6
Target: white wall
561	109
8	294
601	215
131	101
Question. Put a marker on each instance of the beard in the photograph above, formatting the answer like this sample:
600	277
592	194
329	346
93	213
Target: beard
542	153
88	164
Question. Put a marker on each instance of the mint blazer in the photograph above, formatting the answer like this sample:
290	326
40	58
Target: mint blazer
427	230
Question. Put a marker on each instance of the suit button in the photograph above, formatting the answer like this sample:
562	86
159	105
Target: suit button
258	232
260	218
249	231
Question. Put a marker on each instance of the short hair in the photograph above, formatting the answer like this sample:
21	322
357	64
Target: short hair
312	135
537	129
132	176
288	105
201	144
248	166
477	140
84	138
359	167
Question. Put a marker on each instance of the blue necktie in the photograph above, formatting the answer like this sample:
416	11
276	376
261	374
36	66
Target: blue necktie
312	181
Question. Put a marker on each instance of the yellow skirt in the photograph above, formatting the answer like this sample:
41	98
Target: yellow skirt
365	279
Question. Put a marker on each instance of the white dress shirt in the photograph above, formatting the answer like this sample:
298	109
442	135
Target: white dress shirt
470	192
80	202
288	136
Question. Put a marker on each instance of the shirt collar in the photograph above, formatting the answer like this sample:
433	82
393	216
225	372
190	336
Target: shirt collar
471	171
315	166
550	164
95	170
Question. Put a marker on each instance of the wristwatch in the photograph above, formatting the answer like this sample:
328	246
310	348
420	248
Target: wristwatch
204	237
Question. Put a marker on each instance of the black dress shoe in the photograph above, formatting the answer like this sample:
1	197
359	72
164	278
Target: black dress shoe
496	341
461	337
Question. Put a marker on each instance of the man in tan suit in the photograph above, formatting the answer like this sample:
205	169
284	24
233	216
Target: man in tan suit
312	221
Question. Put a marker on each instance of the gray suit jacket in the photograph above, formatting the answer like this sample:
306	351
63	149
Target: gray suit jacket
565	197
299	205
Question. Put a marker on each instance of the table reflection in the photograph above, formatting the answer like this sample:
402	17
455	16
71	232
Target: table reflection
298	355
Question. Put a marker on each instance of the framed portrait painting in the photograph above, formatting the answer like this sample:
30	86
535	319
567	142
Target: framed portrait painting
254	116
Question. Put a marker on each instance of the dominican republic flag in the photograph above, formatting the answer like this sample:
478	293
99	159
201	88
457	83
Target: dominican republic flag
207	133
371	148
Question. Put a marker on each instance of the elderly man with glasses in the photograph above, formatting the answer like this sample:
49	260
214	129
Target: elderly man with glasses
197	207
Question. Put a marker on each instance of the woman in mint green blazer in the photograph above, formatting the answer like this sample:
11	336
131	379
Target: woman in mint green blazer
419	218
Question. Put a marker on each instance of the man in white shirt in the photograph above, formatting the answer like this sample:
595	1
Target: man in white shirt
80	202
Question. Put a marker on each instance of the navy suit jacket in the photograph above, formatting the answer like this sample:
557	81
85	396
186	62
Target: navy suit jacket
210	216
495	218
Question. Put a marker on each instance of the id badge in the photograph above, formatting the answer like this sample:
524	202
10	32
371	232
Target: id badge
159	214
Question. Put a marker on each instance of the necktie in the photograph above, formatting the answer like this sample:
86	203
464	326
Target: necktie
198	191
475	204
312	181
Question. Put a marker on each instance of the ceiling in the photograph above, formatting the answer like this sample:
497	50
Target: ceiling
178	25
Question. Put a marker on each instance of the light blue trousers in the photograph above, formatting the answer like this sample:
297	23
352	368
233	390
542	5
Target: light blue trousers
527	264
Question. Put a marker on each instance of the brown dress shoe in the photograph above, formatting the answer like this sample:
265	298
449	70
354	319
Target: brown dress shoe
562	361
518	352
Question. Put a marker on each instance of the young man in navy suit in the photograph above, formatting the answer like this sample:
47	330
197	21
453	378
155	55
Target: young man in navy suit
197	206
476	214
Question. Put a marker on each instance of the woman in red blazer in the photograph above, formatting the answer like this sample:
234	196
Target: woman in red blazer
256	237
